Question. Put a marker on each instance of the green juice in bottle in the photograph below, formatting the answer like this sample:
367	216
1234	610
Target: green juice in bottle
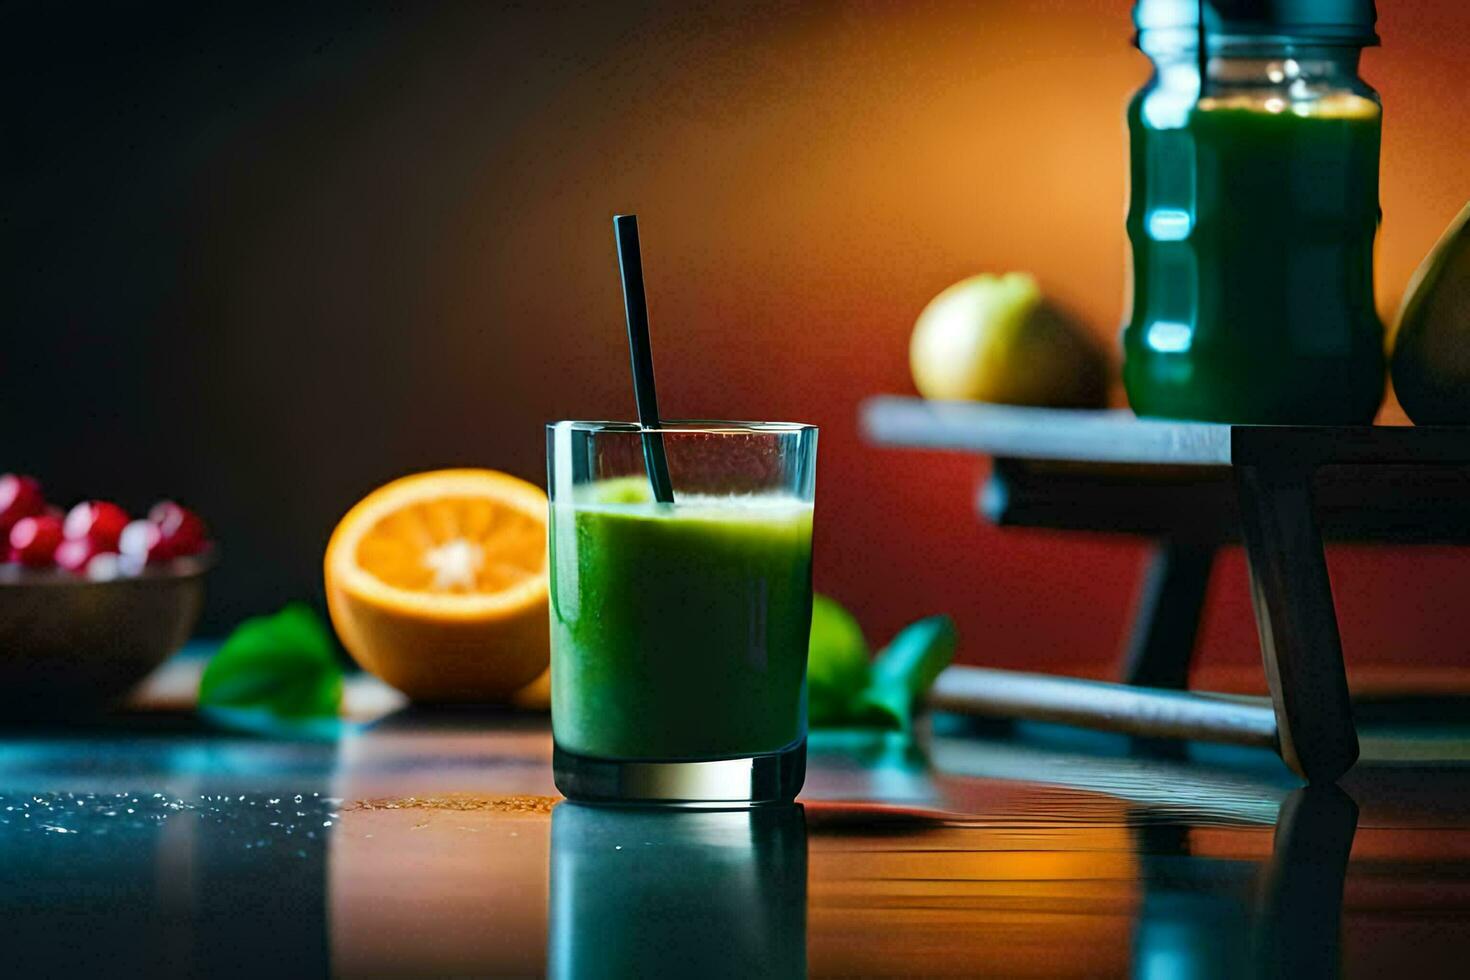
1252	214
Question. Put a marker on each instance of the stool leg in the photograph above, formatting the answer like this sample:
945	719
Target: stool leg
1296	621
1167	614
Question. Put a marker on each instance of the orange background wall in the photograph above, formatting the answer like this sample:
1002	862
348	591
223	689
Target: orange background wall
389	249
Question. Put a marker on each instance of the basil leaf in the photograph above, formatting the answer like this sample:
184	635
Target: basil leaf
905	670
285	664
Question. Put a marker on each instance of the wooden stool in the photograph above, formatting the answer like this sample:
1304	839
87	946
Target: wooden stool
1193	487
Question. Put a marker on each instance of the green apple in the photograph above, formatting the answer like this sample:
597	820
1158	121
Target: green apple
995	339
838	667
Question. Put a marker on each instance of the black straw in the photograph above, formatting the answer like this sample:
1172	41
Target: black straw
635	305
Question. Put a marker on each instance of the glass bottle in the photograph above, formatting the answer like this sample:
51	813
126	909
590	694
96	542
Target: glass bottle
1252	214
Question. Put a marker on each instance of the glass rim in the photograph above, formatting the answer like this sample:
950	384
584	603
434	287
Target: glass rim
685	427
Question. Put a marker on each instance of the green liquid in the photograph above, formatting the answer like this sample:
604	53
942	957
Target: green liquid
1252	236
680	631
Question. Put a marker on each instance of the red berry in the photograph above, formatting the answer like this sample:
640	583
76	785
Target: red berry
20	496
107	566
96	521
33	540
143	542
73	554
183	531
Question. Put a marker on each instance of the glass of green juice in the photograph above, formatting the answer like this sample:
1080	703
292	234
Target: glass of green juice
679	630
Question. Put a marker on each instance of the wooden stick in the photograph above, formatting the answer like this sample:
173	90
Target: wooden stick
1297	622
1111	707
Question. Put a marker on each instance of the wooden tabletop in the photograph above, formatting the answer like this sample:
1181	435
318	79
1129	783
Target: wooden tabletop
1113	436
428	844
1109	470
1119	436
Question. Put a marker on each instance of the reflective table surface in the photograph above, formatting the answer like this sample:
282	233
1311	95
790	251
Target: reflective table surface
433	844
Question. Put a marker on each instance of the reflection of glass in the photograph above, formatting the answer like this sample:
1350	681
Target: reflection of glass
638	893
679	630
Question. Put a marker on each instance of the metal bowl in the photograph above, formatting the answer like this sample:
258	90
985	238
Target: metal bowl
73	646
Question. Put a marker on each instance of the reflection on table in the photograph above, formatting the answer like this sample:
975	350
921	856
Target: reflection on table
431	847
636	892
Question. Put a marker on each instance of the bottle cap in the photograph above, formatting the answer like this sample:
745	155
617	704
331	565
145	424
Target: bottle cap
1322	21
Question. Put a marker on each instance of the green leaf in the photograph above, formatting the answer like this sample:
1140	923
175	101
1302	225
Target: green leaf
837	667
905	670
285	664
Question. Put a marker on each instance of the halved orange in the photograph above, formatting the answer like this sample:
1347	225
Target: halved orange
436	583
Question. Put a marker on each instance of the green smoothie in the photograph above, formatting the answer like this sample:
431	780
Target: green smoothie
1252	228
679	631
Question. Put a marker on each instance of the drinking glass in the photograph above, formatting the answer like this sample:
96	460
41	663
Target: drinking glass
679	629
